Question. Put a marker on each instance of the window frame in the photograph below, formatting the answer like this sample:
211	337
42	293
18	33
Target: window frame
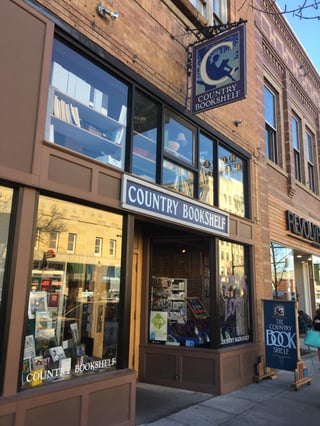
296	146
271	127
71	242
98	246
310	156
215	11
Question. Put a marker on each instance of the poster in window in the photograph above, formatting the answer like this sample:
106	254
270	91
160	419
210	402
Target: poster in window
158	325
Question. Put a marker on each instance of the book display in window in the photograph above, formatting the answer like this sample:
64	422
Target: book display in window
87	110
175	318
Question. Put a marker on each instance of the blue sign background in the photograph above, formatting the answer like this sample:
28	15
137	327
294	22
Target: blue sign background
149	199
280	333
219	71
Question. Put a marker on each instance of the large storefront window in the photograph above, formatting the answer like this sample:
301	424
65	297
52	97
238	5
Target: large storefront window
87	108
180	294
234	294
72	318
6	195
283	272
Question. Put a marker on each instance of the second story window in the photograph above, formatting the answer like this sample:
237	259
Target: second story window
98	246
231	182
53	240
145	133
71	242
112	248
271	125
295	127
215	11
87	107
220	11
310	161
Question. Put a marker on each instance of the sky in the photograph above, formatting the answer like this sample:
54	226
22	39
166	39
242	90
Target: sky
306	30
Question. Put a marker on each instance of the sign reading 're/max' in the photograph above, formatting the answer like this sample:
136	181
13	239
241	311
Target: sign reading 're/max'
154	201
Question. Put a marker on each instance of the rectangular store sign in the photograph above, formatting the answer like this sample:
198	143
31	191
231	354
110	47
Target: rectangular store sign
151	200
280	334
218	71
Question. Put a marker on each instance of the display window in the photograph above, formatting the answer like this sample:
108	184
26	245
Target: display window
234	294
87	107
6	196
182	293
72	316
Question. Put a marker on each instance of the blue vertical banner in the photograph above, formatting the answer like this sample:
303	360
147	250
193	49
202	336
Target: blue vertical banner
219	70
280	334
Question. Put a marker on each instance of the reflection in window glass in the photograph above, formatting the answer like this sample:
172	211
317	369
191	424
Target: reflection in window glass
72	318
231	182
180	294
145	134
5	215
87	107
206	179
178	140
177	178
282	270
234	300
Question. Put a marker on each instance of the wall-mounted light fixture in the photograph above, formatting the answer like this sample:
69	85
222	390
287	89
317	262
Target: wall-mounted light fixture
237	123
103	11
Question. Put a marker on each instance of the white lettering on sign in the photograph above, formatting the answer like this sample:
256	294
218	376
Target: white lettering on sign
39	375
154	201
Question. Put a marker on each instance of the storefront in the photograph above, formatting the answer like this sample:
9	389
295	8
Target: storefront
126	239
295	263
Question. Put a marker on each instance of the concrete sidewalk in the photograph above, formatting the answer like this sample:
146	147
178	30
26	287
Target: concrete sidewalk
272	401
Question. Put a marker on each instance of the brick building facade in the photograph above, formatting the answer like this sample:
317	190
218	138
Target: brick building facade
104	282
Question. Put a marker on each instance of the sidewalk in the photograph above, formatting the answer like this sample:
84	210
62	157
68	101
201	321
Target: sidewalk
272	401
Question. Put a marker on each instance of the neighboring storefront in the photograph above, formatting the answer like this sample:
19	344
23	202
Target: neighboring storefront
295	263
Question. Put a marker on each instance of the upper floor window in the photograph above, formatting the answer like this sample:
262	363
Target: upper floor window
87	107
220	11
145	134
53	240
215	11
98	246
179	147
206	174
310	161
295	127
271	125
231	182
112	248
71	242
